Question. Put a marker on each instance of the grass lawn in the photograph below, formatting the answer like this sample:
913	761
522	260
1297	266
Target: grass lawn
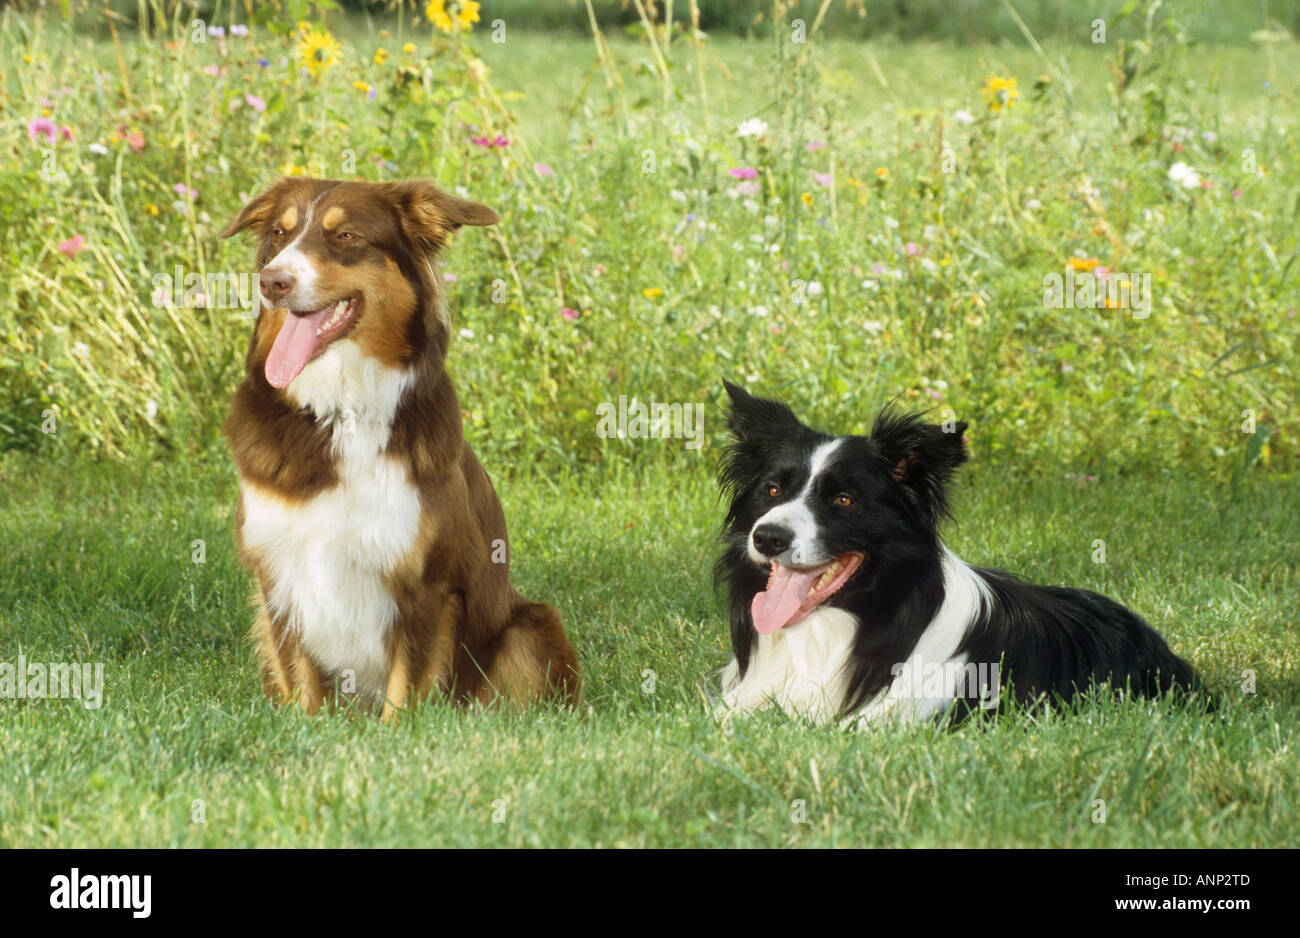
99	567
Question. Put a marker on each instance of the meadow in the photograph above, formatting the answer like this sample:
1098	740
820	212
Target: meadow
839	221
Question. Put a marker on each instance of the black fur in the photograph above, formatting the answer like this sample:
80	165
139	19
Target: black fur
1050	642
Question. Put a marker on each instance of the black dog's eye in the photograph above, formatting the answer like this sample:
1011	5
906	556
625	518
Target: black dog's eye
843	501
773	490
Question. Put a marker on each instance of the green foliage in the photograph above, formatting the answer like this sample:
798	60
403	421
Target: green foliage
904	212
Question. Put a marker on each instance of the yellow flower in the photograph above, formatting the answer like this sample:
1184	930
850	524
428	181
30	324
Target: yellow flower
651	292
1000	91
289	169
409	48
151	208
361	86
318	51
384	34
807	198
1083	264
467	15
436	13
381	55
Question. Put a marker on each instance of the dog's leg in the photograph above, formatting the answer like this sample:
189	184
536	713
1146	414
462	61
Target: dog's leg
288	674
309	689
531	660
399	681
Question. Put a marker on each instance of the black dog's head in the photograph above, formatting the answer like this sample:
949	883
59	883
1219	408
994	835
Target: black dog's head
815	519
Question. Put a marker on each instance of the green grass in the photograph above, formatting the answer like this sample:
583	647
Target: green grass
99	569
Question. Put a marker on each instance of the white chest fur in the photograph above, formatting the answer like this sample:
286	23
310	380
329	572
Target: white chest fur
327	558
801	668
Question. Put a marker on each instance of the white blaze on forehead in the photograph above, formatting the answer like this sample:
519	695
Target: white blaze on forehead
304	295
797	515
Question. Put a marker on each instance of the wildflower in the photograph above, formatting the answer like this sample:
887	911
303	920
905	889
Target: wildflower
570	314
543	170
1082	264
450	278
436	13
42	127
215	71
873	326
882	173
1000	92
181	189
651	292
264	63
151	209
381	56
823	179
73	246
910	249
754	127
256	103
963	116
743	172
81	350
1236	193
409	48
812	146
361	86
483	141
150	409
467	333
216	32
239	29
1184	175
98	149
318	50
467	14
806	198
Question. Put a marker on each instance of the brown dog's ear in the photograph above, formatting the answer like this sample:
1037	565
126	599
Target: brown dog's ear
430	214
258	211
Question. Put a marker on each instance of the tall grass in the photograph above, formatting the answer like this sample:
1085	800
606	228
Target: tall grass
893	240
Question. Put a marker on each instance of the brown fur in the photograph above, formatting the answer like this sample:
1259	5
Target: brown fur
461	631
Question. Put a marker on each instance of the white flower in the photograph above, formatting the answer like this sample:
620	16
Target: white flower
467	333
1184	175
758	310
814	288
1209	136
869	284
873	326
963	117
98	149
677	195
754	127
891	222
150	409
81	350
1033	204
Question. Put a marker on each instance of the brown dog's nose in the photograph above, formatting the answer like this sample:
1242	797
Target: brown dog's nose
276	282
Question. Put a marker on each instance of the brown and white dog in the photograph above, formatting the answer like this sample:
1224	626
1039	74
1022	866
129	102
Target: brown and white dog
377	540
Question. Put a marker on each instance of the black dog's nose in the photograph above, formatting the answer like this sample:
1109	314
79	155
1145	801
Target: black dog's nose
772	539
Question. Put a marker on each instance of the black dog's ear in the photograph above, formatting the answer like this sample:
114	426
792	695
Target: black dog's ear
921	456
756	416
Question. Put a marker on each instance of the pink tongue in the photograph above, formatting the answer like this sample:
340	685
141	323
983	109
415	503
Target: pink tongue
294	346
778	605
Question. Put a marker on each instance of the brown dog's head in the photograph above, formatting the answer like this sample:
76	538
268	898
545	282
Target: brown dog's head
350	259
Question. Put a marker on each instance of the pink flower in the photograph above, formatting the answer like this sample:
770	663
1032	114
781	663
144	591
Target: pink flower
42	127
570	314
216	71
483	141
748	188
823	179
65	133
183	190
1101	273
1205	183
1236	193
543	170
910	249
256	103
812	146
450	278
73	246
135	140
743	172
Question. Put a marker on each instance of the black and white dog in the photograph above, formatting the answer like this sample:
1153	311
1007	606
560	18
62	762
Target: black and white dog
846	605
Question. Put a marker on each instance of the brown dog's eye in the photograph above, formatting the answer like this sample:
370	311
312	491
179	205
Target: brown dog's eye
347	236
773	491
277	232
843	501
